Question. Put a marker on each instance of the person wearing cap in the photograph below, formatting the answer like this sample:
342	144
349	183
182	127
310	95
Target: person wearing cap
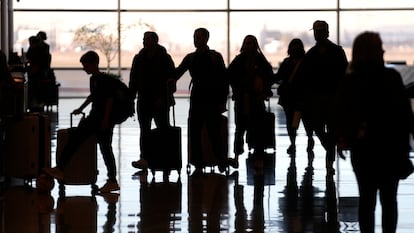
323	66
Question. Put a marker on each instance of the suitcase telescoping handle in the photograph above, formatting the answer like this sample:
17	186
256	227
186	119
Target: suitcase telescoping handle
173	115
71	118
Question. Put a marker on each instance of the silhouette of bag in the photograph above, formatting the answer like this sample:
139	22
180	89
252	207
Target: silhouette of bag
406	168
123	106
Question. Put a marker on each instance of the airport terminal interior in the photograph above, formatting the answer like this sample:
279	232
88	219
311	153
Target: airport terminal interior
287	194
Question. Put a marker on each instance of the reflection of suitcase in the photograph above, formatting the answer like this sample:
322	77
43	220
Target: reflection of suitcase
82	169
76	214
27	145
164	152
213	145
160	212
269	163
208	198
23	209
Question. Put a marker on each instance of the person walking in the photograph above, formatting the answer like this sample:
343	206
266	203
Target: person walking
251	77
152	82
208	98
374	121
98	122
285	76
323	66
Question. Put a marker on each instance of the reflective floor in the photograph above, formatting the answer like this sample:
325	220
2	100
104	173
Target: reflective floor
290	194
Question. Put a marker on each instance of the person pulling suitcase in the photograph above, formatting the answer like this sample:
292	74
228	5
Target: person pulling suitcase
98	122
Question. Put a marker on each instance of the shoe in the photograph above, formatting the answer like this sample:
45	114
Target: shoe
140	164
291	149
109	186
234	163
54	172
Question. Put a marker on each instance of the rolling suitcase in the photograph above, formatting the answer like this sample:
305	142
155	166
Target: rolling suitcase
83	168
213	144
27	146
263	132
164	149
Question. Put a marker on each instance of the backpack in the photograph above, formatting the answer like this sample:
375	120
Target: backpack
123	106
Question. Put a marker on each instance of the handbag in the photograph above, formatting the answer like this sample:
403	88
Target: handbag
406	168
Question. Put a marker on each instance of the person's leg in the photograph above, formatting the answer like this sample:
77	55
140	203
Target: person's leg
144	113
289	113
240	130
196	120
104	138
367	195
388	199
309	132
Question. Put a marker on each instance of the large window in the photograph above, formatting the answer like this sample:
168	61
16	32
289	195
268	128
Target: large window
274	23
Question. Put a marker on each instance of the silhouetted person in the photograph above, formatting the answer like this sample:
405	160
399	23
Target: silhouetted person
98	122
251	77
322	68
285	76
209	90
6	83
38	66
42	36
151	78
377	135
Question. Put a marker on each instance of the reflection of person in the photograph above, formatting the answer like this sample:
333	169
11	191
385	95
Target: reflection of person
322	68
250	76
151	78
209	90
378	140
287	98
97	122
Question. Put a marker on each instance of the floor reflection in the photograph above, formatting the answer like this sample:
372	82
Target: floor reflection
281	194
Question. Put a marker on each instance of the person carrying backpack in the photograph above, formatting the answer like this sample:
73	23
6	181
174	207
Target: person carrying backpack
99	122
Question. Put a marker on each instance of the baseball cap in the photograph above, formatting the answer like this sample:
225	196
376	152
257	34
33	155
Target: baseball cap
320	25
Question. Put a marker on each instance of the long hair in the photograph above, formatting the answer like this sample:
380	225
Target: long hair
296	46
255	42
367	50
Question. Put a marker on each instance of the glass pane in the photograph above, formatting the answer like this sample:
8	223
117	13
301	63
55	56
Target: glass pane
273	36
65	53
176	4
59	4
175	31
376	4
292	4
396	32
